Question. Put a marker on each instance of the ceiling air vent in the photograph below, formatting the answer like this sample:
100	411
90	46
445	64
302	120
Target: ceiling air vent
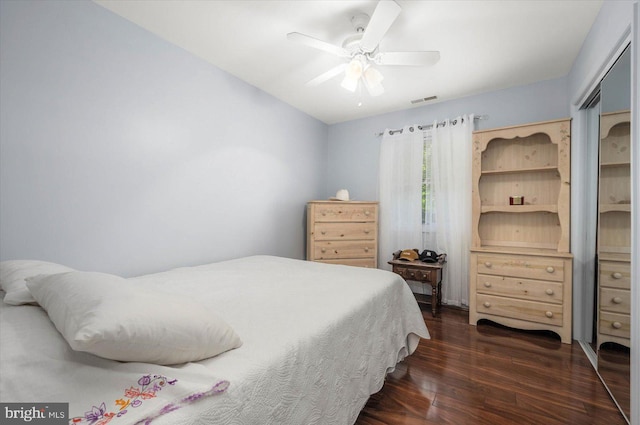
423	99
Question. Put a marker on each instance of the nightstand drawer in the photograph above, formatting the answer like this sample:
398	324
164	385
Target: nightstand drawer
323	250
345	231
615	324
615	275
414	273
521	266
615	300
357	262
527	289
337	211
520	309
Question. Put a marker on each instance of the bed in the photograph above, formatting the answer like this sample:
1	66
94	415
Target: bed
310	343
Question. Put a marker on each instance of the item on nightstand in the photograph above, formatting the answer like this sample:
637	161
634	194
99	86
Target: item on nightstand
429	256
409	255
341	195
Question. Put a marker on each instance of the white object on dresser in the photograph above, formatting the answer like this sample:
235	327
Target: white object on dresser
521	267
343	232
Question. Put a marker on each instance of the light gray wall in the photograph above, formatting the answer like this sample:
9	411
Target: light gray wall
354	146
120	152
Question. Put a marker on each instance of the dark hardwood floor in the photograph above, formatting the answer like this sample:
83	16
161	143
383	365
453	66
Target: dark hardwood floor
490	374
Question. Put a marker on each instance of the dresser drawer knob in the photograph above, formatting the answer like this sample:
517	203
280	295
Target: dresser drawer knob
549	291
323	250
324	232
487	304
367	231
616	325
550	269
549	314
617	300
487	264
366	249
616	275
487	284
324	214
367	213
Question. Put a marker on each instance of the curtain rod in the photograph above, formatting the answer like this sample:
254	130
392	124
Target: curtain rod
428	126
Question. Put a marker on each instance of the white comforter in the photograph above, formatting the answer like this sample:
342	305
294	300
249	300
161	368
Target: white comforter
318	339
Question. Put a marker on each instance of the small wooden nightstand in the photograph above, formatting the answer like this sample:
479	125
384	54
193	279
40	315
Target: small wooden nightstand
418	271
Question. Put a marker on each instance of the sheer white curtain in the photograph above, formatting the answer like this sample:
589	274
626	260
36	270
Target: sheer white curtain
451	168
400	188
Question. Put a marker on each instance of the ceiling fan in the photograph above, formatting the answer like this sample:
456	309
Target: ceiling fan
362	53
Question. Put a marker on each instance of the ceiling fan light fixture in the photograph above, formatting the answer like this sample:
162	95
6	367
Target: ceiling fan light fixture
355	68
373	81
350	84
352	74
372	76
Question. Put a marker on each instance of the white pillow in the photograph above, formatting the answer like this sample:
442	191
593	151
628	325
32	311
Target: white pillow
111	317
14	272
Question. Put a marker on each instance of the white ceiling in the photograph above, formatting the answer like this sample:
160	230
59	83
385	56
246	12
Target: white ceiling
484	45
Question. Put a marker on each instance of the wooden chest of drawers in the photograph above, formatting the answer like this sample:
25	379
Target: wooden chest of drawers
614	302
343	232
522	291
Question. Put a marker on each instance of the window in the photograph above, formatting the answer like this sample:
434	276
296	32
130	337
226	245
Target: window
428	195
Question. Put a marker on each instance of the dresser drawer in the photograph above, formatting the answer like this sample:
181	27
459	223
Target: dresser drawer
345	231
550	314
337	211
357	262
615	324
615	275
615	300
521	266
323	250
413	273
526	289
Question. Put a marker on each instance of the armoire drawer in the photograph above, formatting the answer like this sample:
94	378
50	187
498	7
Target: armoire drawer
526	289
615	300
337	211
345	231
521	266
550	314
615	324
343	249
615	275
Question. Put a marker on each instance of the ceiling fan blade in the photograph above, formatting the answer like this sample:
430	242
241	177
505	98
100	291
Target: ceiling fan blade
386	12
327	75
407	58
307	40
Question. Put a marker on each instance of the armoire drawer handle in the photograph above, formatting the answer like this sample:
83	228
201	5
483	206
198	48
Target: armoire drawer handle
487	284
550	269
487	264
617	300
487	304
616	275
616	325
549	291
549	314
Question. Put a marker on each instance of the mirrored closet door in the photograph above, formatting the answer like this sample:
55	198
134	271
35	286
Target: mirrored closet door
613	275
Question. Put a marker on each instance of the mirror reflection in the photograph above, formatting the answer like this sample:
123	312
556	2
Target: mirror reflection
613	296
